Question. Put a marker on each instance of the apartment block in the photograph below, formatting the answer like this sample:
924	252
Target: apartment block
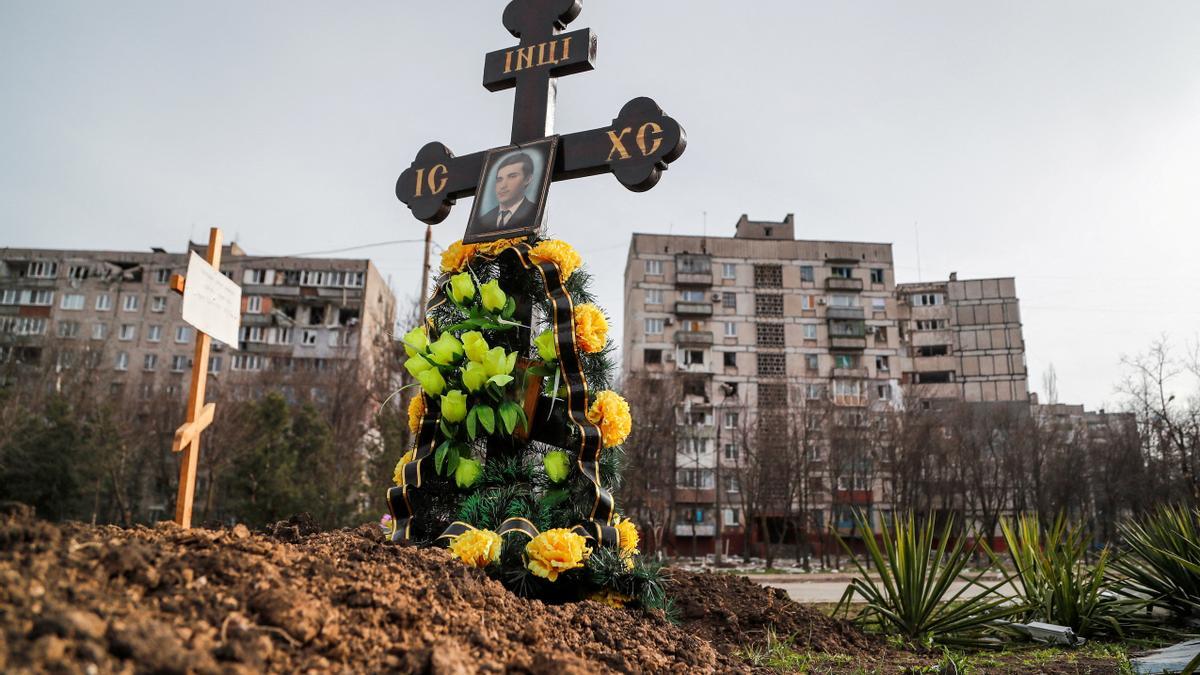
963	340
766	331
115	309
757	326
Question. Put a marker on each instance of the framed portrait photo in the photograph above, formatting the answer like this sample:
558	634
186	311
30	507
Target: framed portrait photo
512	191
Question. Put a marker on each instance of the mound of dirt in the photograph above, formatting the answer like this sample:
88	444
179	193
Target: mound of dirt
732	612
77	598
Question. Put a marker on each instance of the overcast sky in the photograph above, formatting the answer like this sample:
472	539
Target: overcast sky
1057	142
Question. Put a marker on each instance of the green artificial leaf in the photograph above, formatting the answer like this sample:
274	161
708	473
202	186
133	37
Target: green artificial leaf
524	419
553	498
541	370
446	431
508	415
500	380
487	417
509	308
439	456
471	422
452	459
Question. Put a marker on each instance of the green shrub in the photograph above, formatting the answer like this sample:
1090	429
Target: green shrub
912	596
1162	562
1053	582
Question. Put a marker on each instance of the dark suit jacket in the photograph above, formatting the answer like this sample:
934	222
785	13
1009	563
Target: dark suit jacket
523	218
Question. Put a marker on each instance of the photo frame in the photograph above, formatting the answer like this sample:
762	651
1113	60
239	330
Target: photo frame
511	198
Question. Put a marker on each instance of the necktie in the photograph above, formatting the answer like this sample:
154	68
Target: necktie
504	217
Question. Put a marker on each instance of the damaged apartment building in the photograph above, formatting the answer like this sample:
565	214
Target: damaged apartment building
114	311
761	328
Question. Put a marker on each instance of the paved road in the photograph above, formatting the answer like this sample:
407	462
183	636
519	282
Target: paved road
825	590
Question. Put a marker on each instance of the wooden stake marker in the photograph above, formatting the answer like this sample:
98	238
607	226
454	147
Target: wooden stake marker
213	306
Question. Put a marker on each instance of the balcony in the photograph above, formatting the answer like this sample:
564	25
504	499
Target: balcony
693	278
852	342
693	337
847	313
693	308
850	373
695	530
843	284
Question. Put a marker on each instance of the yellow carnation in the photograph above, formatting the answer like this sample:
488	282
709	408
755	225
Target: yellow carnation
610	412
457	256
556	551
591	328
398	472
611	598
558	252
629	535
477	548
416	410
495	248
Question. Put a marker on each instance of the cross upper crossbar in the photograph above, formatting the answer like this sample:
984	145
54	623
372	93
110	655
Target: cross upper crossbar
636	147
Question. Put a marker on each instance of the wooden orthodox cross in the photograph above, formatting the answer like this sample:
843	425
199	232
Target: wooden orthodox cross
635	148
212	304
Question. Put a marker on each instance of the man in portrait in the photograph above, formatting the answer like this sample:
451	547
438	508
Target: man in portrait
513	210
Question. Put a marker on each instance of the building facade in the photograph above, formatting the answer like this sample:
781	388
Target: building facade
115	309
777	340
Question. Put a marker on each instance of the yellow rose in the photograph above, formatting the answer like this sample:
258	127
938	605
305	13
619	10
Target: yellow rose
558	252
477	548
629	535
398	472
493	298
417	365
556	551
454	406
467	472
445	350
610	412
473	376
474	345
457	256
591	328
495	248
415	341
416	410
546	347
462	288
497	362
557	465
432	382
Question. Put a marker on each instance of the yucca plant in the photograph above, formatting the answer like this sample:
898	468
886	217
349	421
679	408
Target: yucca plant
1053	581
911	597
1162	562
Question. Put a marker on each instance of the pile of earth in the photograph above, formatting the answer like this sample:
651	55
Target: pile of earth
95	599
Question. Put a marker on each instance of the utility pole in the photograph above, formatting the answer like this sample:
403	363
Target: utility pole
425	272
719	536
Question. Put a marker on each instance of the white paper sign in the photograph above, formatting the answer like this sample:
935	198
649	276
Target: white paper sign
211	302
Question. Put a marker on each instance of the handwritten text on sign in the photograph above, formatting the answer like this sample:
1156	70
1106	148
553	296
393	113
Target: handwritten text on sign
211	302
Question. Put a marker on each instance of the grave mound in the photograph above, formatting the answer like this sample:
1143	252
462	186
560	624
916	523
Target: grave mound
169	600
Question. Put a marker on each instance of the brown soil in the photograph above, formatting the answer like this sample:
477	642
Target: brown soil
78	598
733	611
82	599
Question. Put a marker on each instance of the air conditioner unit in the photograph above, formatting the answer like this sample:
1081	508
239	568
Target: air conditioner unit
820	301
669	321
871	330
716	297
669	357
